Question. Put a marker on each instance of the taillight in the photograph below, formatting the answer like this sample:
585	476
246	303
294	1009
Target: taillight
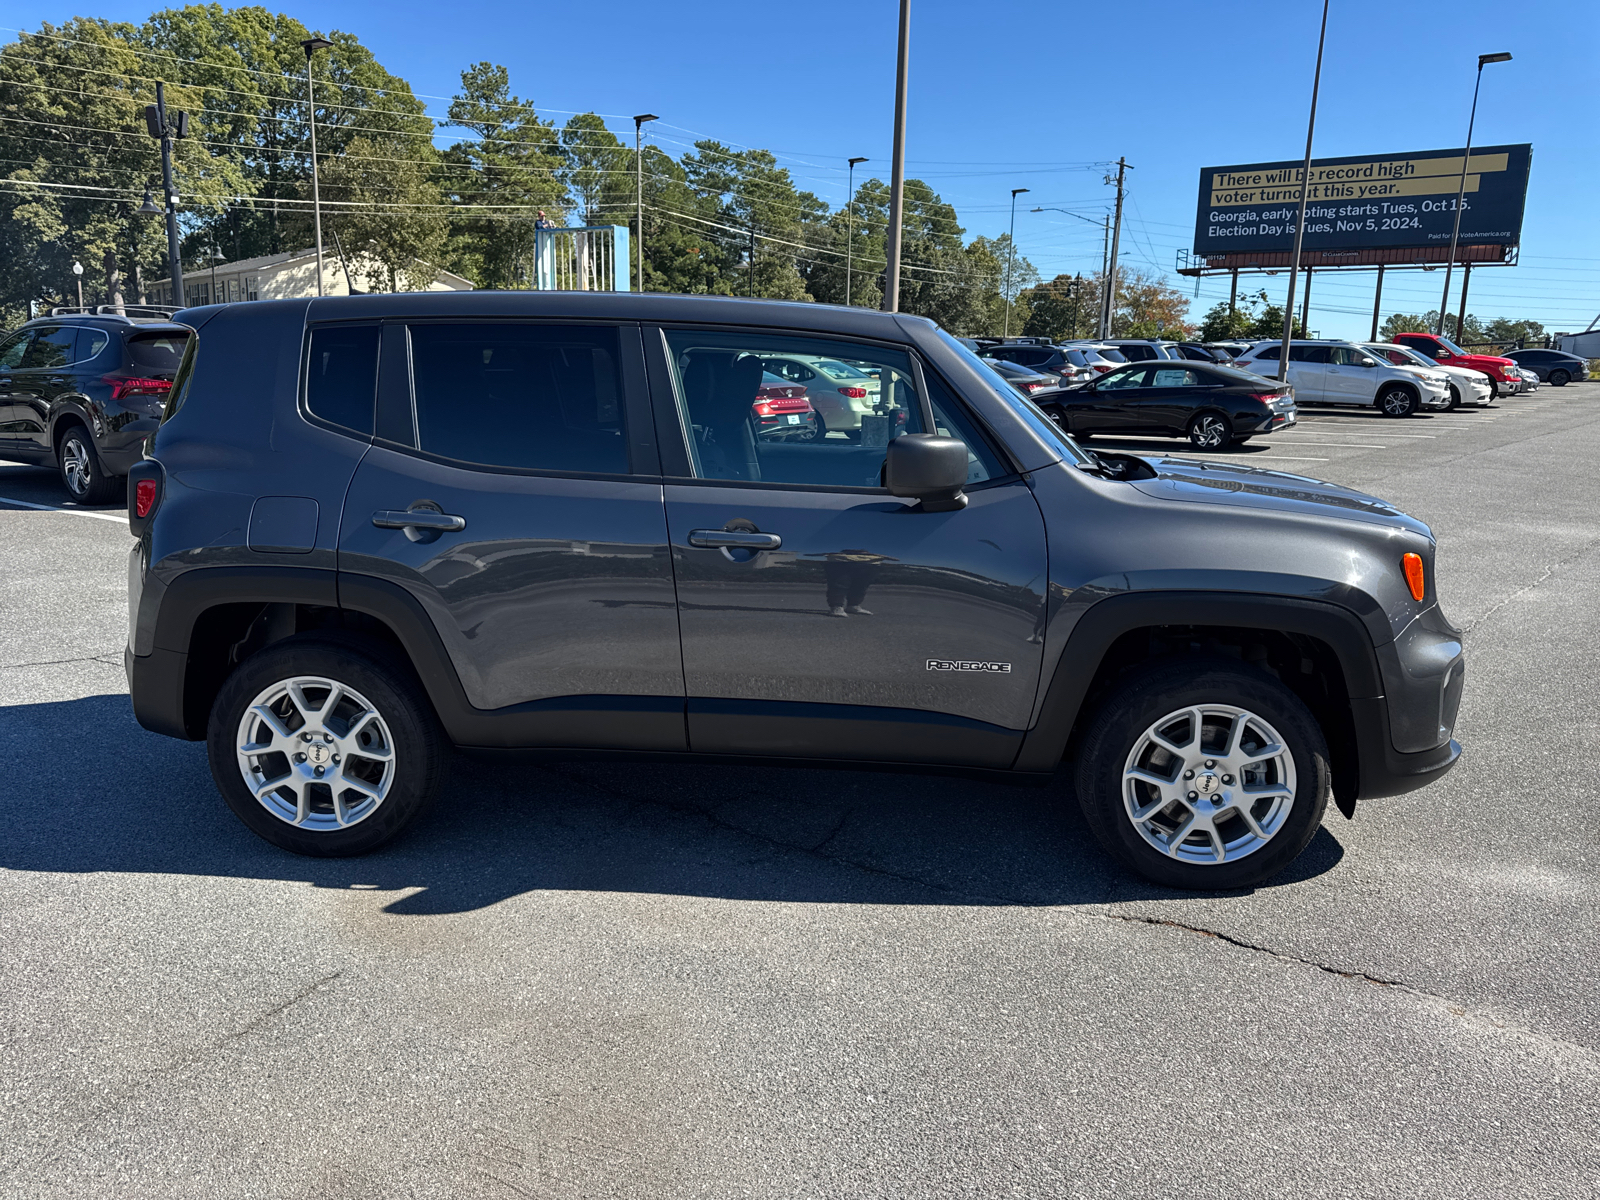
1268	397
136	386
144	497
145	480
853	393
763	409
1412	564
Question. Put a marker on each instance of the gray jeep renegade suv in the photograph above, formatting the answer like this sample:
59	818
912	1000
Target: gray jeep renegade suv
371	529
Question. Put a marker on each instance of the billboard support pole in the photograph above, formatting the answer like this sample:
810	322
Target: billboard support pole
1233	294
1305	306
1461	192
1305	191
1377	299
897	167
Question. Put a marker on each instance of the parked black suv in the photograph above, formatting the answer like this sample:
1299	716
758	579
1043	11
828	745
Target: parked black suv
82	390
374	527
1036	356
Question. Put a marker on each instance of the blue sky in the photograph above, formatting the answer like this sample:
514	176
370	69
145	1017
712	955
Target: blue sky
1037	95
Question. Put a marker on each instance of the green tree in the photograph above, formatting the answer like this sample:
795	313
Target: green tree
510	168
763	217
1403	323
403	246
598	170
1504	329
1060	309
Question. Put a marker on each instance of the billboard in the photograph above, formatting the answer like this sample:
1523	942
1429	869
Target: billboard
1367	201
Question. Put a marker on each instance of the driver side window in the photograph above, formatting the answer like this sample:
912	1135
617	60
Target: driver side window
13	348
1124	379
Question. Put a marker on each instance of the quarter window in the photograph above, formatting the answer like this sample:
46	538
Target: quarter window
342	376
533	397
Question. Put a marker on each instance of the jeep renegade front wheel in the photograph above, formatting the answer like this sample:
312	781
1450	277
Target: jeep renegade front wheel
1203	776
322	748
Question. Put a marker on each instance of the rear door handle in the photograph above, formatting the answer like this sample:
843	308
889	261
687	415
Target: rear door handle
419	518
733	539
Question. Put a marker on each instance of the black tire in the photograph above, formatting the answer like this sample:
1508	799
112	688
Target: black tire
1559	378
1210	431
1119	727
416	745
81	471
1396	401
1455	399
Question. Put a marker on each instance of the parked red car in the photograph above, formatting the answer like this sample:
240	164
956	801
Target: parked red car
1502	372
782	410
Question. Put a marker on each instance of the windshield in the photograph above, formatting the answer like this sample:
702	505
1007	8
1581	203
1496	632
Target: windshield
1449	345
1048	430
1422	360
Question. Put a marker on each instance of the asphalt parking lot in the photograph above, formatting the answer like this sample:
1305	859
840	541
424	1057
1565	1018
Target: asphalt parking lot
618	980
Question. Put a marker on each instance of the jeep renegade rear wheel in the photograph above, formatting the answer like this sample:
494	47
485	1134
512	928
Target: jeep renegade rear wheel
322	748
1203	776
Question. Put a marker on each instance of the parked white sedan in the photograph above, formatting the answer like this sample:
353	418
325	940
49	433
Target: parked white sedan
1466	385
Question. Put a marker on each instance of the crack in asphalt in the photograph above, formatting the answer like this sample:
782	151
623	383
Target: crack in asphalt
106	658
1455	1008
178	1064
1548	572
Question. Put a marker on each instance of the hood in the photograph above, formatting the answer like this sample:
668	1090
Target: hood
1492	360
1255	487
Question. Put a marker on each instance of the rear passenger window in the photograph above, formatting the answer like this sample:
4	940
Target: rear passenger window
342	376
535	397
53	346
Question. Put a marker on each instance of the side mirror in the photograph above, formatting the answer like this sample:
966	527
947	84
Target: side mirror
928	468
1369	362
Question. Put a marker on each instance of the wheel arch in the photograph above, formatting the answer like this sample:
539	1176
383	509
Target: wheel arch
1320	651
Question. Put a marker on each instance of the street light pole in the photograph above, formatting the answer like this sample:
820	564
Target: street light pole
1305	192
77	271
1011	258
850	228
1105	253
638	187
897	169
1461	195
311	45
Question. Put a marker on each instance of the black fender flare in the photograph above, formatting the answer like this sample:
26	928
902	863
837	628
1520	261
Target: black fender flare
1380	769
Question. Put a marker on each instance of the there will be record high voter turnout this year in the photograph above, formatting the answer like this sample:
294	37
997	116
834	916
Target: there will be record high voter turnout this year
1367	201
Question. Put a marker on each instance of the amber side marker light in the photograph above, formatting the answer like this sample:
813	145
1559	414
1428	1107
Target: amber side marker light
1412	563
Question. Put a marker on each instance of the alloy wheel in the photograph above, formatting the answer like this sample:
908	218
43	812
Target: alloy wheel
1208	432
76	465
316	754
1208	784
1396	402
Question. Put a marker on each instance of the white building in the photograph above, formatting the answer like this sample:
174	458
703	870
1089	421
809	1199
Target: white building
288	276
1584	345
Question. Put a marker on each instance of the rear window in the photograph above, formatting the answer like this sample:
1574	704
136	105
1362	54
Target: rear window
156	351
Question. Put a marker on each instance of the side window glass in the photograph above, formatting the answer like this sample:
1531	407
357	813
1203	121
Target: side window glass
534	397
13	348
1118	380
746	422
1172	377
342	375
53	346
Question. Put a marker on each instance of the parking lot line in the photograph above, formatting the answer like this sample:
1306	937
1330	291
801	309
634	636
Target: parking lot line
77	512
1347	445
1234	458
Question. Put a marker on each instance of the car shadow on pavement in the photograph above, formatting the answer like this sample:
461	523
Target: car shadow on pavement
88	790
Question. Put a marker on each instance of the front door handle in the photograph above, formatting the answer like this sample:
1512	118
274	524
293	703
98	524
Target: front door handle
419	518
733	539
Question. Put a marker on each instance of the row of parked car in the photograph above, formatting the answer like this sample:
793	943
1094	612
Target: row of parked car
1225	393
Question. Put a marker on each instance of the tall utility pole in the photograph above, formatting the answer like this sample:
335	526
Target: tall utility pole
1108	302
1300	224
1461	196
1011	258
638	187
897	169
155	119
311	45
850	228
